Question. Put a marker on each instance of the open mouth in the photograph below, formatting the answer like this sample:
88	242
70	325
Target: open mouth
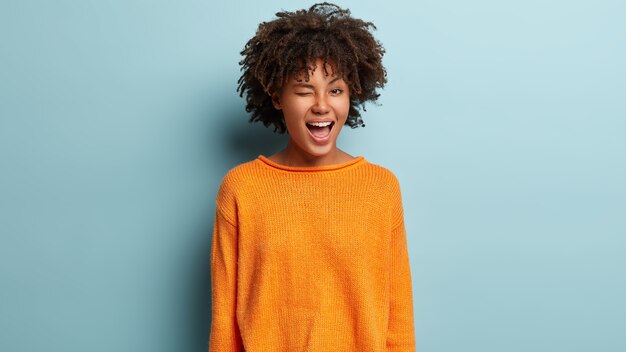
320	130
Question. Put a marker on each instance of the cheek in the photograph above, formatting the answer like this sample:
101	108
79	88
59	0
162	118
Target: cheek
294	118
343	109
294	108
292	115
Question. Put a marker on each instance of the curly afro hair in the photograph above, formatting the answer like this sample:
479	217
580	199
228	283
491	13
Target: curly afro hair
289	45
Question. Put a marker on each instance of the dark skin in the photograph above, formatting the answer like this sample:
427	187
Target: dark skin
323	98
283	158
289	44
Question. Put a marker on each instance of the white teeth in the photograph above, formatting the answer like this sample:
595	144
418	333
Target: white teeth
319	124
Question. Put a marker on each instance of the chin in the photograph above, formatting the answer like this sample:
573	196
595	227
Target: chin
311	150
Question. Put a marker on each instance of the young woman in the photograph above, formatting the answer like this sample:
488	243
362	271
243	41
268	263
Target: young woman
309	245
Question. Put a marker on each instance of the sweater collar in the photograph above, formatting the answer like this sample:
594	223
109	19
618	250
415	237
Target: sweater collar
356	161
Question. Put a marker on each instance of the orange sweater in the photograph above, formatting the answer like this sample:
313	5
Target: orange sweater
310	259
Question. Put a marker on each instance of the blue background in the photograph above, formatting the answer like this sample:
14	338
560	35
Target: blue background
505	122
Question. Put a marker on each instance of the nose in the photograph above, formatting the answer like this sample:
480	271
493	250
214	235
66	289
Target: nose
320	107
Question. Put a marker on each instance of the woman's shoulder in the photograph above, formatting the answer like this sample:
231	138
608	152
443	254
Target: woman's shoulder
381	172
240	173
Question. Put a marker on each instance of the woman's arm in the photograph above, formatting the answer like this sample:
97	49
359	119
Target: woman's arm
224	334
401	330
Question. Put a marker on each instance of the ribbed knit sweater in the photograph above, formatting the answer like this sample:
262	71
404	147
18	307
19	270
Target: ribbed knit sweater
310	259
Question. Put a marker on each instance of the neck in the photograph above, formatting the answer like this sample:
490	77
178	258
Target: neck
294	156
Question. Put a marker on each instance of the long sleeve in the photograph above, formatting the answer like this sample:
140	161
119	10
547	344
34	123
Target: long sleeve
293	269
224	335
401	333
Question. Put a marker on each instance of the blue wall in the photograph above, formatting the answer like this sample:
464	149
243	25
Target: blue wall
504	121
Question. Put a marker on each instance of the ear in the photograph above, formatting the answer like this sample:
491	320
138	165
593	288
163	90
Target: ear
276	101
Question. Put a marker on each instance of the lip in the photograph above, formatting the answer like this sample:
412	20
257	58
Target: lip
325	139
313	121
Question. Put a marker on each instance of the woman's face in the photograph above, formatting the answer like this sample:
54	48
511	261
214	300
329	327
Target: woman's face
314	111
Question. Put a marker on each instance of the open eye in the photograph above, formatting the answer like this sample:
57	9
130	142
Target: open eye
336	91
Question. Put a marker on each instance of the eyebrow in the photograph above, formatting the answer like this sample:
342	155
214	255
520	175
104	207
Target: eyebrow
307	85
